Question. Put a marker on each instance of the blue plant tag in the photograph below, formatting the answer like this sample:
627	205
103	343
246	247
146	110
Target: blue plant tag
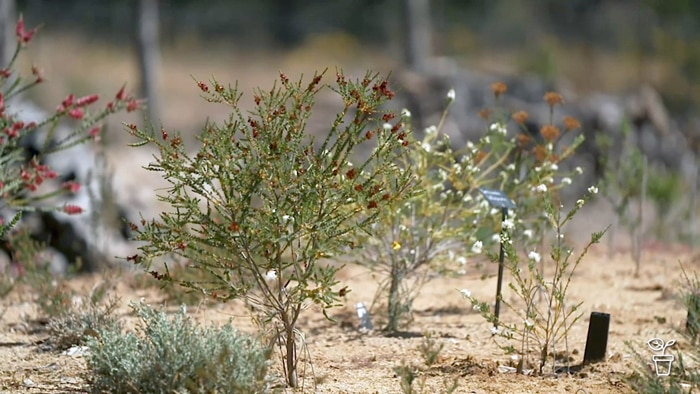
497	198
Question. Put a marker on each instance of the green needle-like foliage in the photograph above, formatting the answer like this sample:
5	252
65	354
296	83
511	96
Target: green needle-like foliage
262	202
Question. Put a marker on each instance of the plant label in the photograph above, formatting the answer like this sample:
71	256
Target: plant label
497	198
364	316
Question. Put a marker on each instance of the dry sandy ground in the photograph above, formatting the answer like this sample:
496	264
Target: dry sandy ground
345	360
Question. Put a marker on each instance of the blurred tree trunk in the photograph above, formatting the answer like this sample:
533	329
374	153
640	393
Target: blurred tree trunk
418	39
7	34
285	23
149	55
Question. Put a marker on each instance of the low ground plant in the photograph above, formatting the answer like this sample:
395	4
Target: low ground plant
683	375
260	206
172	354
623	185
84	318
412	378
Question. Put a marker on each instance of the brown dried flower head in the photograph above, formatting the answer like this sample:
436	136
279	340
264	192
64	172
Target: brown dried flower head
553	98
523	140
520	117
550	132
540	152
571	123
485	113
499	88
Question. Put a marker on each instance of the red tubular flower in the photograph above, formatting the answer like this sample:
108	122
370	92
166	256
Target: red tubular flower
95	132
50	174
72	209
71	186
121	95
133	105
25	175
86	100
12	133
68	101
24	36
77	113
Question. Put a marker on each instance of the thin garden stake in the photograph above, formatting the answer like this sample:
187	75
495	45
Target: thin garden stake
498	199
501	261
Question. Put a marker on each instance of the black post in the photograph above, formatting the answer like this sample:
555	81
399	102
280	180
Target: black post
501	261
597	338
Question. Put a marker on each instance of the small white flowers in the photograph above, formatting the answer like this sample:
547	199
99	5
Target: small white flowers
534	256
387	126
566	181
466	293
579	170
271	275
593	190
580	202
508	224
528	233
477	248
426	146
406	113
451	95
462	260
499	128
431	130
495	330
529	323
542	188
287	218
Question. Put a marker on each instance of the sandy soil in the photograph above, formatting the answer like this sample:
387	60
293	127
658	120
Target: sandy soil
345	360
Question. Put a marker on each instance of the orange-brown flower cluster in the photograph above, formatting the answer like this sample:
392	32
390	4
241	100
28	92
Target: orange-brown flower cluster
523	140
520	117
553	98
540	152
571	123
499	88
550	132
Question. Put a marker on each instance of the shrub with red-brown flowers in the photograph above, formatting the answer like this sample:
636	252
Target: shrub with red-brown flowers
262	202
22	177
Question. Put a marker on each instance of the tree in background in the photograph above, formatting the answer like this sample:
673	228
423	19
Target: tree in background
148	55
7	37
418	37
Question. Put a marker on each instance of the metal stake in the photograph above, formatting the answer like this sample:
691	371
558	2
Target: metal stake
501	261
